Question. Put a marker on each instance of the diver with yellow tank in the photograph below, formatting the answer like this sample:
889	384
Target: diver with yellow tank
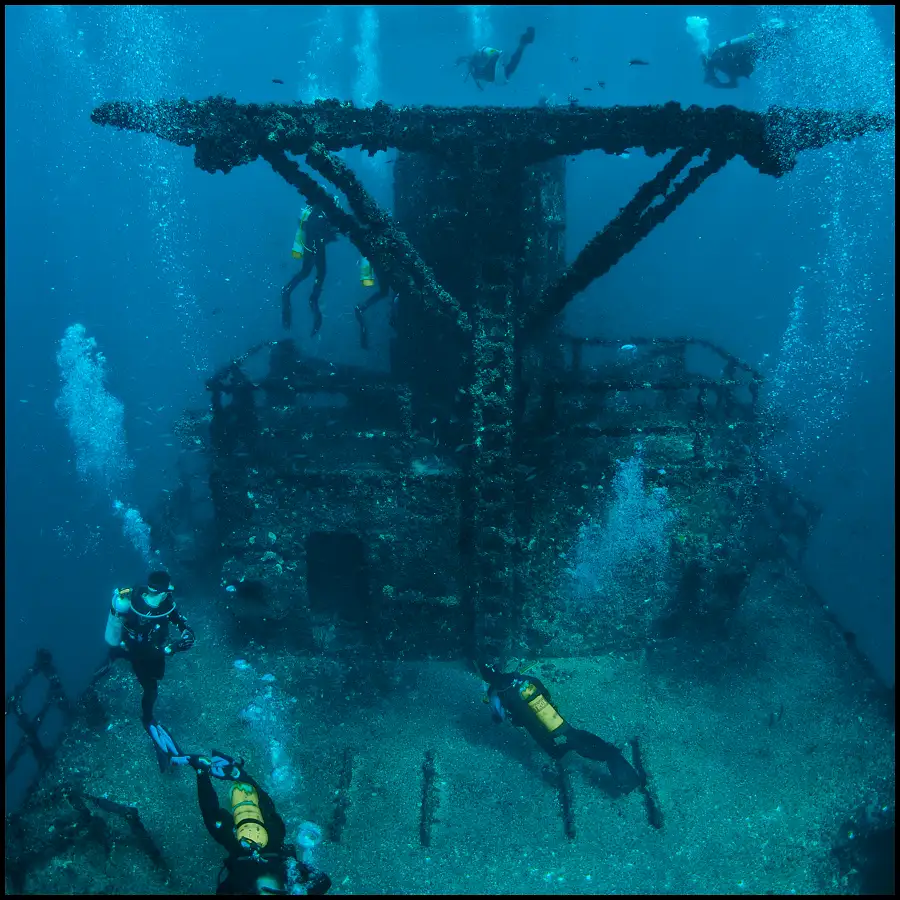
368	279
526	702
488	64
250	829
314	233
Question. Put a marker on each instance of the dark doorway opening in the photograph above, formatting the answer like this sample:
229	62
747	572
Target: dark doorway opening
336	576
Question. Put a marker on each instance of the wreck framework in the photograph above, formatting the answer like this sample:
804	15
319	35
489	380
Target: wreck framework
447	489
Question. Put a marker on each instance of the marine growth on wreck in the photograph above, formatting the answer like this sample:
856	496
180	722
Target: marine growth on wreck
449	495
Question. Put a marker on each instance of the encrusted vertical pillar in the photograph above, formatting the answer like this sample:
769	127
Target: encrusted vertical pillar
492	232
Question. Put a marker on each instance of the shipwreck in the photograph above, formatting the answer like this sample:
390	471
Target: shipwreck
434	507
430	513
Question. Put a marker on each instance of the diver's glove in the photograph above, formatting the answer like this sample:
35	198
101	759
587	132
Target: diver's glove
218	766
184	643
187	640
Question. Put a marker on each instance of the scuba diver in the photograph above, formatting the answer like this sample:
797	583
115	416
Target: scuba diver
138	629
314	233
527	703
736	58
251	831
487	63
368	279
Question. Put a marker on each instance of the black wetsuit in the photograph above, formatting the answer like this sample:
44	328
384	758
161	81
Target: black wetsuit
318	232
145	633
507	688
382	292
482	64
734	59
242	867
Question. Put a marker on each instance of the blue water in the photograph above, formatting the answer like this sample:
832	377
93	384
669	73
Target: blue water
174	271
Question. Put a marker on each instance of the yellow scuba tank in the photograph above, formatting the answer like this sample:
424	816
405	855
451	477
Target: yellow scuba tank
540	705
249	825
121	603
300	247
492	57
366	275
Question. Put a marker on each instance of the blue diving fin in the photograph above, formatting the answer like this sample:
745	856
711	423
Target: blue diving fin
167	752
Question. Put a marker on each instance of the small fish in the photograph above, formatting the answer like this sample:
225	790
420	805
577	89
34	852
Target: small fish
638	62
588	89
601	84
573	101
573	59
277	81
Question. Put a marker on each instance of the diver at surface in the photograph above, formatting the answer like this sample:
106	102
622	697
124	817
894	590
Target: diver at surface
137	629
488	64
527	703
314	233
737	57
252	832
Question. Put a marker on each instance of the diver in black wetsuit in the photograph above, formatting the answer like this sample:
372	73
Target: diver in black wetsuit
368	279
487	64
137	629
737	58
253	834
527	703
314	233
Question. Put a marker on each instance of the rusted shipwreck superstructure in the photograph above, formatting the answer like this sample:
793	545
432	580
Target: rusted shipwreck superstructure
433	507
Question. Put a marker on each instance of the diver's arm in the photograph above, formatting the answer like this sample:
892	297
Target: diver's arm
216	820
590	746
187	633
321	263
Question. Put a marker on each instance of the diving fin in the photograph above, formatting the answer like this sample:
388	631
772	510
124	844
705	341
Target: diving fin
223	766
167	752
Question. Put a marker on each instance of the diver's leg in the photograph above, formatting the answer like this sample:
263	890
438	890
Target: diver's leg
360	311
149	671
590	746
149	687
321	272
288	289
392	317
513	64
